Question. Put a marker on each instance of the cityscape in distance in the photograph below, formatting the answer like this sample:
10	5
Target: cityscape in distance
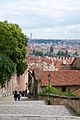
54	47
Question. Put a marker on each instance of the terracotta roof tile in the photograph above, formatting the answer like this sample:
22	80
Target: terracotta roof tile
61	78
58	64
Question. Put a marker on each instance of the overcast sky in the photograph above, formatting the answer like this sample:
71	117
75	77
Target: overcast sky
44	18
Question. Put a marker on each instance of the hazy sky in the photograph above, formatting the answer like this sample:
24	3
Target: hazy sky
44	18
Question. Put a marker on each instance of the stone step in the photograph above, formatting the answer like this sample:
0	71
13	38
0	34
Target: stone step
37	117
27	102
35	109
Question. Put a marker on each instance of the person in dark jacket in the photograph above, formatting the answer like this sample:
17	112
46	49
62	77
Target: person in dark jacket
15	95
19	96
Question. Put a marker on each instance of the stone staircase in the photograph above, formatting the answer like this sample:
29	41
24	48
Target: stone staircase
34	110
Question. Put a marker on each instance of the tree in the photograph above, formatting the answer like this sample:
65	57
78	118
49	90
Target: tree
21	67
39	53
7	69
63	53
13	45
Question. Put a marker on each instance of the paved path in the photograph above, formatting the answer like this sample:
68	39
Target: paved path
33	110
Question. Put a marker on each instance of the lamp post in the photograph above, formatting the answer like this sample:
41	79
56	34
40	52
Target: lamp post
26	89
49	79
26	86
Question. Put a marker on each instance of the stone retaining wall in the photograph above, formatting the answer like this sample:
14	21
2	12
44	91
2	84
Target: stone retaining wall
74	103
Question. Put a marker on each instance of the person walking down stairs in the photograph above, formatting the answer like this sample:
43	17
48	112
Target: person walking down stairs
17	96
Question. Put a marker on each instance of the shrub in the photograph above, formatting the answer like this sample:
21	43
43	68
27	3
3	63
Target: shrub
49	90
70	94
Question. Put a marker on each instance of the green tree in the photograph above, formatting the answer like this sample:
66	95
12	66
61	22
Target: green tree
59	53
13	44
63	53
7	69
38	53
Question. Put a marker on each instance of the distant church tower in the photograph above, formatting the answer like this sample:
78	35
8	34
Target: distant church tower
51	50
30	36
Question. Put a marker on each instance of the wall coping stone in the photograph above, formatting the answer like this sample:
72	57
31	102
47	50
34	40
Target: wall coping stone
62	97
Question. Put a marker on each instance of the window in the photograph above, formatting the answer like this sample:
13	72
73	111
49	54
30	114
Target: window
63	89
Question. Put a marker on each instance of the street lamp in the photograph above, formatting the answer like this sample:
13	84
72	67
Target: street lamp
26	88
49	79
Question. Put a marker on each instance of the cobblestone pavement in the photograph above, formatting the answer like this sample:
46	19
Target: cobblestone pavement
33	110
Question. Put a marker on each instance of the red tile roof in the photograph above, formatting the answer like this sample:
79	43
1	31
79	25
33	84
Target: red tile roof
61	78
57	63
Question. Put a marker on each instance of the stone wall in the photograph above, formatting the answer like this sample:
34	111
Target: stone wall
54	100
15	83
10	86
74	103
